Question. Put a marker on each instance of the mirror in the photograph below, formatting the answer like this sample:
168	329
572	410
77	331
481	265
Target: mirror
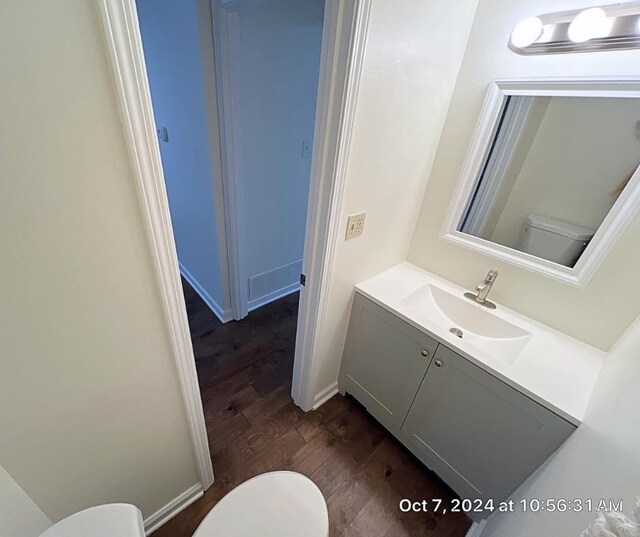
555	168
548	176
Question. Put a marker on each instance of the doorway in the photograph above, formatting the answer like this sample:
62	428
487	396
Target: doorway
344	35
234	89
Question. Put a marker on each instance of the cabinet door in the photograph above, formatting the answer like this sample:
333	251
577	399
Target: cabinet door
481	436
384	362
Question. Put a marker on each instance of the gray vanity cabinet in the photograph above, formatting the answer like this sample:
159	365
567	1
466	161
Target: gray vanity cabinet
481	436
384	362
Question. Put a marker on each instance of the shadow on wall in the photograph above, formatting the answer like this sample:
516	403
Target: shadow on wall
599	461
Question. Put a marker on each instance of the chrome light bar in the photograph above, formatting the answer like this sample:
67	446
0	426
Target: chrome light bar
615	26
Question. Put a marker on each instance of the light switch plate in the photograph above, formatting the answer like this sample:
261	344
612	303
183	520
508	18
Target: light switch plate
355	225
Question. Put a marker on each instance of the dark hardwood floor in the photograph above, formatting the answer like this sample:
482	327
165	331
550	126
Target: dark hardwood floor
245	371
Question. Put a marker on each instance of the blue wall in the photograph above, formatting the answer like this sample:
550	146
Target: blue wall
281	42
172	52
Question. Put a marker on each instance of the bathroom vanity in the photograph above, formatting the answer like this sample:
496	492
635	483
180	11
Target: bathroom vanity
483	410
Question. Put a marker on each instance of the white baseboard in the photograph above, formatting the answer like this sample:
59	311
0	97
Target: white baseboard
326	394
274	295
224	315
175	506
476	529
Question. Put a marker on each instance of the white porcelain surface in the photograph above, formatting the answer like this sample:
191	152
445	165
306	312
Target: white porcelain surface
482	328
111	520
550	367
275	504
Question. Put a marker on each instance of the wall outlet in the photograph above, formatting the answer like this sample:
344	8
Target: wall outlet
355	225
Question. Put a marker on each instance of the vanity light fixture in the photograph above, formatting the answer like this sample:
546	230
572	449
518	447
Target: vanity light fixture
616	26
527	31
589	24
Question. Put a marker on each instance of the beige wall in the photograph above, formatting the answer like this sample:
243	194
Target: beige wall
90	407
584	148
19	516
602	311
600	460
411	61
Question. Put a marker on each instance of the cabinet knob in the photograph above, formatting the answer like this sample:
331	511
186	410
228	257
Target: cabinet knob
424	353
438	363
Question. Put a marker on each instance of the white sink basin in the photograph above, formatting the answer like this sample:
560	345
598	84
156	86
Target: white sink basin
483	329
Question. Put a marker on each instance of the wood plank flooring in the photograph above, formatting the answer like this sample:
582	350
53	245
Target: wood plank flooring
244	370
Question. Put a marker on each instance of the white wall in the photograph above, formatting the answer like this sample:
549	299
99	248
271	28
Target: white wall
412	57
583	150
615	289
278	82
172	48
600	460
90	405
19	516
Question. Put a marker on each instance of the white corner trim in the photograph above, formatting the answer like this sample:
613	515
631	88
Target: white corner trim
476	528
228	62
204	13
175	506
335	114
223	315
326	394
616	221
124	45
273	296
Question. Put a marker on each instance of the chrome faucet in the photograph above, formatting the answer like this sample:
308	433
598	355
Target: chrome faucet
482	290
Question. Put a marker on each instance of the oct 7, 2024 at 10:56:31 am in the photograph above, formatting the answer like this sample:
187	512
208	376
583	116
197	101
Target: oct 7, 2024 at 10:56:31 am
509	506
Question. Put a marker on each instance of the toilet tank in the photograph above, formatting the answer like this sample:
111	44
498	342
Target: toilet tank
110	520
552	239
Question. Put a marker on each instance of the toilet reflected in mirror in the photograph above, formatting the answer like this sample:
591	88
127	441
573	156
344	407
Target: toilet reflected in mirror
551	179
553	239
554	169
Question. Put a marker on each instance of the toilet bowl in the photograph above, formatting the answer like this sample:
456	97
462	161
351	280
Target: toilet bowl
275	504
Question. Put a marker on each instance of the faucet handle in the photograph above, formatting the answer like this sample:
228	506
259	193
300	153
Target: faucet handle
491	276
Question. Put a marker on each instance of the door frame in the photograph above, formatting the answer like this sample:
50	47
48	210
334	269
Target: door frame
335	115
335	112
225	36
498	160
124	44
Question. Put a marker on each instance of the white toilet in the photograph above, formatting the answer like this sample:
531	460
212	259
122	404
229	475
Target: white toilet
119	519
276	504
554	240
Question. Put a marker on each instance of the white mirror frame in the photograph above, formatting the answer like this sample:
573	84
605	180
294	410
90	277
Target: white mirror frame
613	226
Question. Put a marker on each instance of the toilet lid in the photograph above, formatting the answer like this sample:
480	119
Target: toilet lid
276	504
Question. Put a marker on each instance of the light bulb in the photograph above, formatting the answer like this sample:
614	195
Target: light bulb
526	32
589	24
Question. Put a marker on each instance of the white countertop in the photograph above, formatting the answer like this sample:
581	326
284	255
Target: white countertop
553	369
